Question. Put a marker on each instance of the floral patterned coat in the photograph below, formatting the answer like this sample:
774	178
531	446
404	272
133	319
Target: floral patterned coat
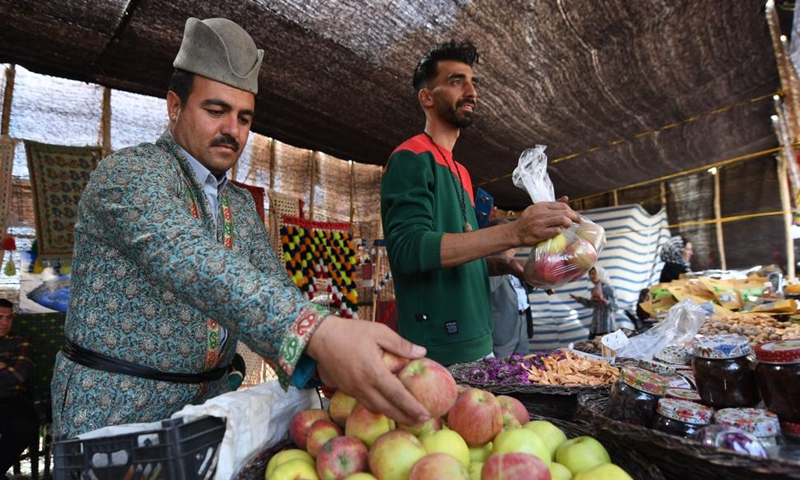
148	275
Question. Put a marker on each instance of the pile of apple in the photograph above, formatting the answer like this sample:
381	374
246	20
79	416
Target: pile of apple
566	257
471	435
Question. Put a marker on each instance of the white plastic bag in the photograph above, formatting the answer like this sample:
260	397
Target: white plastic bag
570	254
681	325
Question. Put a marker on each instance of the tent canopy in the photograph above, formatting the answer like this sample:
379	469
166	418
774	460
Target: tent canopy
638	90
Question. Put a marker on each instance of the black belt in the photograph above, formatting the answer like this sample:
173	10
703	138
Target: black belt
99	361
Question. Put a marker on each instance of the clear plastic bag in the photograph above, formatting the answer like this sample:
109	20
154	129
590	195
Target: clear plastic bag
681	325
570	254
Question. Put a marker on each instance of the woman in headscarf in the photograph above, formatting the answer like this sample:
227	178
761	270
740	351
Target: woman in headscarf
675	254
603	303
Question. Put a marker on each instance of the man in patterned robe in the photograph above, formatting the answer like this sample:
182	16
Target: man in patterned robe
172	265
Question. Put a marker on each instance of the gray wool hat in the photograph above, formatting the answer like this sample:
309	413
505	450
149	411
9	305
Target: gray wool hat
220	50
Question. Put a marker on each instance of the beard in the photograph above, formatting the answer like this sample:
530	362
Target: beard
454	116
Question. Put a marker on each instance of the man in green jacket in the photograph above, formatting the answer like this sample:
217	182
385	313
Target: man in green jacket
440	260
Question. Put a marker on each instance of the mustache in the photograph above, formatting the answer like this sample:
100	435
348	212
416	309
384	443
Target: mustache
225	140
466	102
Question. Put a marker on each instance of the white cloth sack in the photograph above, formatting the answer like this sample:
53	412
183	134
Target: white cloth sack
257	419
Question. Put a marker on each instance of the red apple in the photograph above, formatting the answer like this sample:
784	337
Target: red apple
477	416
302	421
367	426
341	457
582	254
318	435
431	384
393	455
514	466
438	466
547	271
393	362
510	422
516	408
431	425
341	407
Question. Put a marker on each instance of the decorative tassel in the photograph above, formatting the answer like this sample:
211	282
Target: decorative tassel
10	269
37	266
9	244
66	268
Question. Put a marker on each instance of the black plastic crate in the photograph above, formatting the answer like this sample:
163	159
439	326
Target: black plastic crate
177	451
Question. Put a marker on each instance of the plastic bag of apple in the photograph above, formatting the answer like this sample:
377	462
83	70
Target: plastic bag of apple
471	435
569	255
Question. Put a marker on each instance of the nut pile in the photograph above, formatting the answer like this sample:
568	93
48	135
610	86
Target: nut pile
758	328
592	346
570	370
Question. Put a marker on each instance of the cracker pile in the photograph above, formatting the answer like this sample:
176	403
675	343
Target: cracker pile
570	370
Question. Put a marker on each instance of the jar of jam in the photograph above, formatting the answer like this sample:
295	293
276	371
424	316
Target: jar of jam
778	376
762	424
791	432
683	394
723	374
681	417
674	355
635	395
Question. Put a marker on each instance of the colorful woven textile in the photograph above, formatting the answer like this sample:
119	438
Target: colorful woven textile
321	258
7	146
58	176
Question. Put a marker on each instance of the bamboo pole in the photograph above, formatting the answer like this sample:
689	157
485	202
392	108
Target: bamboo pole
272	162
312	160
352	167
11	72
717	217
788	77
615	196
663	189
105	122
787	215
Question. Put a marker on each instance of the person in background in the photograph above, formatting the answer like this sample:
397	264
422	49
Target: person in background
19	422
172	265
440	260
603	303
675	254
509	313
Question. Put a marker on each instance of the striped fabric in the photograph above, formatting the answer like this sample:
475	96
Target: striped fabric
631	259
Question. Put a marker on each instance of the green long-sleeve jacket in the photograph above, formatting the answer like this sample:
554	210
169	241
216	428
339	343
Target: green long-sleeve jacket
448	311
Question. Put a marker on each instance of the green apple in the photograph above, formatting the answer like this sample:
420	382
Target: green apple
361	476
555	244
559	472
447	441
521	440
367	426
341	407
480	453
286	455
474	470
606	471
294	469
551	435
394	454
581	453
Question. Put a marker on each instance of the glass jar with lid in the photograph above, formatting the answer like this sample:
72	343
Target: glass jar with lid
635	395
778	376
683	394
681	417
724	374
762	424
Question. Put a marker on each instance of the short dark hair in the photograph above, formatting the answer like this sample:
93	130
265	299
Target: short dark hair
427	68
6	303
181	83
